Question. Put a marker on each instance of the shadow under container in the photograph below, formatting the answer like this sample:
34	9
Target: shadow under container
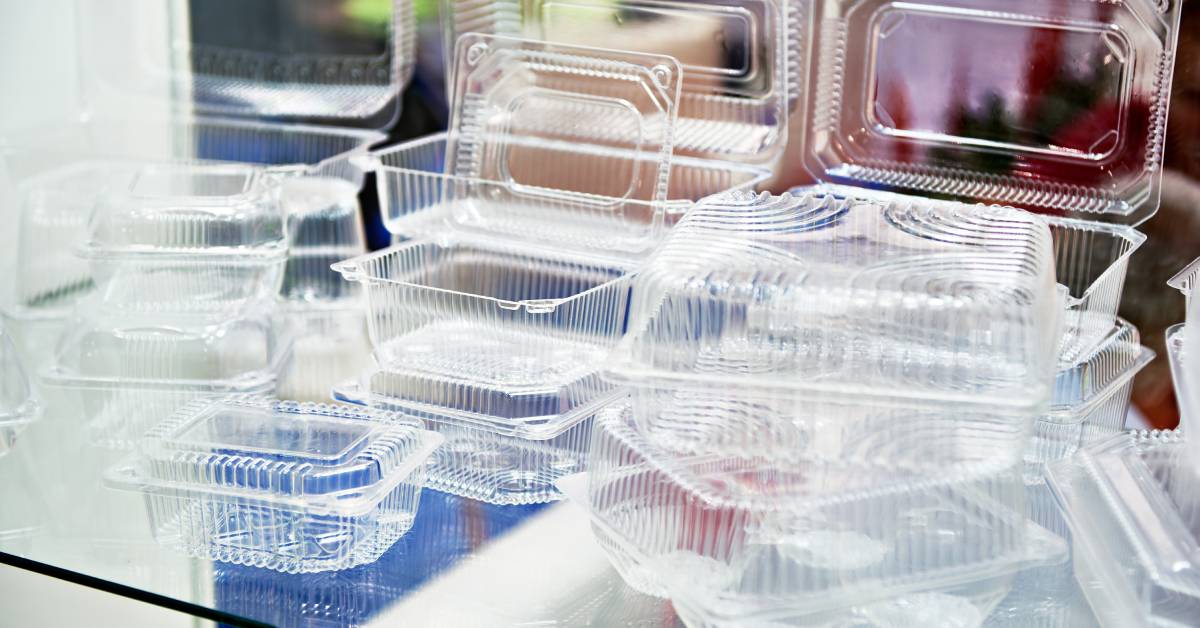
297	488
514	285
748	539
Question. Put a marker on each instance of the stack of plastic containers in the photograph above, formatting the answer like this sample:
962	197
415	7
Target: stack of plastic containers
524	222
326	315
830	398
275	484
186	263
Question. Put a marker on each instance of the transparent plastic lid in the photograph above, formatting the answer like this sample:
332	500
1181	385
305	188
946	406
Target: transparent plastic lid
1183	346
195	209
1118	358
341	458
104	347
738	57
276	59
1052	106
529	115
1133	504
907	298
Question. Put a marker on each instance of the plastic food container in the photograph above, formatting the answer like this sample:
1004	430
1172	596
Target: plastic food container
756	306
128	372
505	460
18	406
739	57
744	539
180	238
1091	398
1183	349
911	98
324	226
334	486
1134	509
329	346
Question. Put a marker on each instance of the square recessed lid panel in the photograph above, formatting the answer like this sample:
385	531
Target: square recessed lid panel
529	115
901	299
343	458
738	57
263	59
1052	106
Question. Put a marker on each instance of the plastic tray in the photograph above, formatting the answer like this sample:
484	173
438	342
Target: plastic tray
334	486
488	459
1091	398
220	58
1070	117
324	226
744	539
1134	509
18	406
418	197
908	300
739	57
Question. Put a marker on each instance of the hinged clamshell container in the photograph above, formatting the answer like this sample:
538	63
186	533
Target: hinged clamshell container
758	306
740	58
741	539
1183	351
287	486
1059	108
1133	506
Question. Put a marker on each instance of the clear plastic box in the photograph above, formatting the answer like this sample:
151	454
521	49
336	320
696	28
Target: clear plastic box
1052	106
742	539
739	57
1091	398
127	372
329	346
18	405
197	237
324	226
334	486
1133	507
220	59
505	462
908	301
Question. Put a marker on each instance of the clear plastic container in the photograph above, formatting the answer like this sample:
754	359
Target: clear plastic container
18	405
1183	350
1133	506
220	58
505	462
181	238
127	372
739	57
1091	398
744	539
908	301
335	486
324	226
1052	106
329	346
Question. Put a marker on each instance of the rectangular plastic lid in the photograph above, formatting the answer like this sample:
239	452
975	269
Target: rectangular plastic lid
1057	107
276	59
739	57
342	456
526	113
904	299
